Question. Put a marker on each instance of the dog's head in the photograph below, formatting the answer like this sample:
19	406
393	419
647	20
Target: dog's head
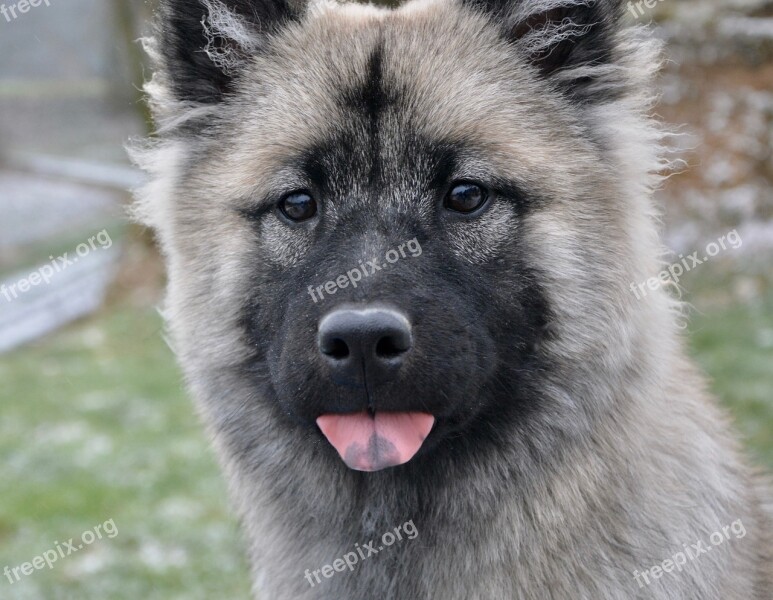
391	225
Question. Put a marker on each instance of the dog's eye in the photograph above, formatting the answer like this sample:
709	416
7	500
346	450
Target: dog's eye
298	206
466	197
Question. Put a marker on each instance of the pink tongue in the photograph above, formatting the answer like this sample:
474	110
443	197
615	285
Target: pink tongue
372	443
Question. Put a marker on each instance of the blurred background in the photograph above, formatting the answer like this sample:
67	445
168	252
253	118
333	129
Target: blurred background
94	424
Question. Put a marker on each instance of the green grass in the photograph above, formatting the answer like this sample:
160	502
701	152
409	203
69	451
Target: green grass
95	426
734	345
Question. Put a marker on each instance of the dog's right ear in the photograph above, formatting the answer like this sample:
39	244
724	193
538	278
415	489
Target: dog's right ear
204	43
572	42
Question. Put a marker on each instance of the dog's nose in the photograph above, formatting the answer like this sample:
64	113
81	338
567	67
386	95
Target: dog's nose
373	340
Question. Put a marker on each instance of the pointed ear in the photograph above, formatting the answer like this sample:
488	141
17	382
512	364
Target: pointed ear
204	43
568	40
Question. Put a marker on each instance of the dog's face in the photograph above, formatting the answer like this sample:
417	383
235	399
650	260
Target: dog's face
388	225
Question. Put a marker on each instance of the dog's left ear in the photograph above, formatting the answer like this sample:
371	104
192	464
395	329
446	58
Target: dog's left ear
567	40
203	44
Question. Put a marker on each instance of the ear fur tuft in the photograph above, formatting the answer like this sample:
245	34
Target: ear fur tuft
561	37
204	43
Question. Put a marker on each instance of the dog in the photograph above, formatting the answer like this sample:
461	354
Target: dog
400	243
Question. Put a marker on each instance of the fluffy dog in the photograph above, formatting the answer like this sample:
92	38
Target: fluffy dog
400	246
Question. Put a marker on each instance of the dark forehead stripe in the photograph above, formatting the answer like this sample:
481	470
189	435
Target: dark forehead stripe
370	97
370	147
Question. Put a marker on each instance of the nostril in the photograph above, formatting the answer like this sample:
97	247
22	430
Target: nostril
336	348
390	346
